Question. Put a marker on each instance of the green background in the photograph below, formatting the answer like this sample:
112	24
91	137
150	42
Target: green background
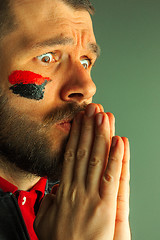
127	77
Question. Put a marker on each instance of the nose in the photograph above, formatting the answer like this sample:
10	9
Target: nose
78	87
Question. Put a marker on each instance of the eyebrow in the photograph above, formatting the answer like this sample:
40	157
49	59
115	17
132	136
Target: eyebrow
93	47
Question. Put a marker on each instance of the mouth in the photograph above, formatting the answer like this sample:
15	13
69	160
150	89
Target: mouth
65	125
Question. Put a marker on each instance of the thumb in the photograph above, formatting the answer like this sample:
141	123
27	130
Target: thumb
47	201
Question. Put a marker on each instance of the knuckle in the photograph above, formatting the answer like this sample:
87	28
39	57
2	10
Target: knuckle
119	221
101	133
109	178
69	155
82	153
88	127
94	161
124	180
123	198
113	159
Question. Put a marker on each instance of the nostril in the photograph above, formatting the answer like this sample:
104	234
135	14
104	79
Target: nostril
75	95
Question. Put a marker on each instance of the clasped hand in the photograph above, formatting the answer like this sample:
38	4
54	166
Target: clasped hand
92	202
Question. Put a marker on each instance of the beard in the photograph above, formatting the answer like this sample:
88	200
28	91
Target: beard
28	146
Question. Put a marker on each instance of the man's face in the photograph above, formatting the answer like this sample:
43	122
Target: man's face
45	67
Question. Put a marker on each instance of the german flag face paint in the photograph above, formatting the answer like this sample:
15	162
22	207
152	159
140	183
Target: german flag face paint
28	84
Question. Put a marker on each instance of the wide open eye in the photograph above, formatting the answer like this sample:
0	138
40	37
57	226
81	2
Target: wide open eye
86	63
47	58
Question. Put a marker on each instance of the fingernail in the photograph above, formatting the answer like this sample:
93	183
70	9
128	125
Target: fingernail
90	110
99	119
114	141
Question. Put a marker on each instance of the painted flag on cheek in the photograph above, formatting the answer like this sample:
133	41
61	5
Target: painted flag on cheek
28	84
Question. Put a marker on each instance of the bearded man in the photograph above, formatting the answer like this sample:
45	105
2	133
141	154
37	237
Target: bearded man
51	132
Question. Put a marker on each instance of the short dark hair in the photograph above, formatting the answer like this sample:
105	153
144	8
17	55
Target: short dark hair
81	4
7	19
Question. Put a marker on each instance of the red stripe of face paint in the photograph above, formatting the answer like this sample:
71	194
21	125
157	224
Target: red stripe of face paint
27	77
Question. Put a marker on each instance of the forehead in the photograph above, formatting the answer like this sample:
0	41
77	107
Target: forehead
43	19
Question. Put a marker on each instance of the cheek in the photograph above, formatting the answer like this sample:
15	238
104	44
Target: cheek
28	84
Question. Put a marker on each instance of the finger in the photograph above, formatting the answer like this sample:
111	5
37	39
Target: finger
85	144
124	191
112	124
101	109
45	205
112	133
110	180
99	153
69	156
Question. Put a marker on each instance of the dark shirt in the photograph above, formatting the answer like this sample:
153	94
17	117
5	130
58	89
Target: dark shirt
28	201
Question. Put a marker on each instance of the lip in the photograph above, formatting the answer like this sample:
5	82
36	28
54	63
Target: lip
64	125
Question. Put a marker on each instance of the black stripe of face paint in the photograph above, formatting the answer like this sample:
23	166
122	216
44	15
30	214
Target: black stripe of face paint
31	91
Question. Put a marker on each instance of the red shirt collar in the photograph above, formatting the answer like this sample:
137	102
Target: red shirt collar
27	201
9	187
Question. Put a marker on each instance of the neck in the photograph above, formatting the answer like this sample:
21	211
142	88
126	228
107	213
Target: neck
12	174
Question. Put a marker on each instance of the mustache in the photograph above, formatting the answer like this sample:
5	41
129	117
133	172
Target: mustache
68	111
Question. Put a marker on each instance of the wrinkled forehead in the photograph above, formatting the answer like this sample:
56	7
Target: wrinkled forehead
49	15
42	21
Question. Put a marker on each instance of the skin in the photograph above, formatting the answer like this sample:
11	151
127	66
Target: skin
77	85
94	177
